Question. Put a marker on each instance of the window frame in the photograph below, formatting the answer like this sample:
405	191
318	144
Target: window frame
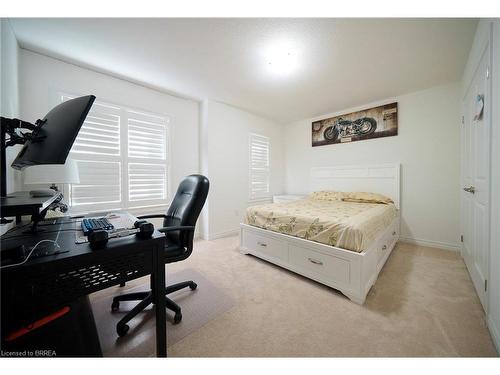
138	206
252	198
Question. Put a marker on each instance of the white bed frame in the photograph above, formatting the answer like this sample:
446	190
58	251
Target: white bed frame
350	272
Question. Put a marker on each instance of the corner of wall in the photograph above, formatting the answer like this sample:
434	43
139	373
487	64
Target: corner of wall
9	79
203	153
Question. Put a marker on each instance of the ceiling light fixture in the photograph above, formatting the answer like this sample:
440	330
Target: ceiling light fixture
281	59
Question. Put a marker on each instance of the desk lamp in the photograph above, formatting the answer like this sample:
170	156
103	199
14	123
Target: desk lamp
51	174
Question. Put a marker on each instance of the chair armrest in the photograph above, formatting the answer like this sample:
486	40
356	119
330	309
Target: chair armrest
155	216
179	227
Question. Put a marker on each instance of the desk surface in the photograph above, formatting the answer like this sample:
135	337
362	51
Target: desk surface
63	231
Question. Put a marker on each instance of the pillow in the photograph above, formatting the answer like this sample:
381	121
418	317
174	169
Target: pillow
328	195
363	197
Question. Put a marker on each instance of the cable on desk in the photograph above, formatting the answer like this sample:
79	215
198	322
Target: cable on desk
29	254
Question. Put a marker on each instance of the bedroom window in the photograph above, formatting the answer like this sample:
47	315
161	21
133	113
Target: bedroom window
122	157
259	167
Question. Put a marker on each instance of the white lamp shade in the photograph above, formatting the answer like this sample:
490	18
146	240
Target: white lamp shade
53	173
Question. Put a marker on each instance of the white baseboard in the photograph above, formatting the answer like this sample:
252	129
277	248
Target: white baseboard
495	334
428	243
228	233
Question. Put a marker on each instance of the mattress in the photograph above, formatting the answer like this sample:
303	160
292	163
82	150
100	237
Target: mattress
347	225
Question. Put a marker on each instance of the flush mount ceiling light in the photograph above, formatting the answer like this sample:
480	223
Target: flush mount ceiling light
281	59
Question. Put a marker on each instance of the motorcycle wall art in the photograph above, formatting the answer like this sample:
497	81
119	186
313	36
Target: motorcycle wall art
376	122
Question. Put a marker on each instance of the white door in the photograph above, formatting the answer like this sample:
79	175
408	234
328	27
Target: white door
476	178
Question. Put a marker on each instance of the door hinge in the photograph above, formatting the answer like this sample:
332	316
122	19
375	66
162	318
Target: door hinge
462	119
487	72
485	285
462	238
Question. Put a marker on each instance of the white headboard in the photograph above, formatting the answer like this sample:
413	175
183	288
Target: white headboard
382	179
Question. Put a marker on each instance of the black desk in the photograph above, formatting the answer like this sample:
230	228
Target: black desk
21	203
47	283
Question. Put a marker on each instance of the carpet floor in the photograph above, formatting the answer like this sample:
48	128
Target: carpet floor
198	307
422	305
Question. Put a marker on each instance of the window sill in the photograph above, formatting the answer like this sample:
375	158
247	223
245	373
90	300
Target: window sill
260	200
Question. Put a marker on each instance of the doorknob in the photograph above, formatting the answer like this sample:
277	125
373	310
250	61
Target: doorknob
470	189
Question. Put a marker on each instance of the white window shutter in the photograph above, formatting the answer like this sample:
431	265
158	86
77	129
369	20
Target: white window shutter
100	133
259	167
123	159
147	182
99	187
147	136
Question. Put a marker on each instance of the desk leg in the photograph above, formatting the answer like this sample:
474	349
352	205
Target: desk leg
159	301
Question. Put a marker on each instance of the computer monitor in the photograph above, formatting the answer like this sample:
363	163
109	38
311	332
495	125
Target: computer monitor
50	139
56	133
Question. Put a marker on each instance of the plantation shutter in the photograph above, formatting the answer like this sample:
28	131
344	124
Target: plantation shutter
259	167
100	133
122	157
147	152
99	187
97	151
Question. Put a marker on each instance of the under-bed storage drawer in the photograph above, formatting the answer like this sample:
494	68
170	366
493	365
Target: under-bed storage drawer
388	241
329	267
267	246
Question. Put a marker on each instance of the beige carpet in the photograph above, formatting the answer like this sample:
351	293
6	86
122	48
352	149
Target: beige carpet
198	308
423	304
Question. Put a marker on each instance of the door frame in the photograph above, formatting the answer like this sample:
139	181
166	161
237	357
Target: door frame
485	47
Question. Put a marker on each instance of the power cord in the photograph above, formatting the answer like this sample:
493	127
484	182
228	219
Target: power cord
29	254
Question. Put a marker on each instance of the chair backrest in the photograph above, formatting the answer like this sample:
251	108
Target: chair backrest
186	207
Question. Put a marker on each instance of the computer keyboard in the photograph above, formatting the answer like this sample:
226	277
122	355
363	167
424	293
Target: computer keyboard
91	224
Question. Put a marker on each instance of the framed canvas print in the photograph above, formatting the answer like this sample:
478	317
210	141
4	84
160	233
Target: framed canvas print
376	122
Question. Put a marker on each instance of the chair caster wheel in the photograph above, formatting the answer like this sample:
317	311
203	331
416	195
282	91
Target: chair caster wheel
193	286
115	306
177	318
122	329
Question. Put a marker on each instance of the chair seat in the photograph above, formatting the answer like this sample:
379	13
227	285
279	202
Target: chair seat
173	251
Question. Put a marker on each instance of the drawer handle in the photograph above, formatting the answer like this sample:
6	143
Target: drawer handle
384	247
393	233
315	261
262	244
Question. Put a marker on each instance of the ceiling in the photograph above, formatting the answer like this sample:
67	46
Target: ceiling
340	63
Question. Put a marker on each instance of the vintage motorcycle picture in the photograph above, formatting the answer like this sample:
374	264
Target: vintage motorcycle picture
381	121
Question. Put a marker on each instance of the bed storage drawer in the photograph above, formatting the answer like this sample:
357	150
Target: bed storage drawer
388	241
328	267
265	245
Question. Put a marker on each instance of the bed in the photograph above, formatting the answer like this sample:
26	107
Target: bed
331	236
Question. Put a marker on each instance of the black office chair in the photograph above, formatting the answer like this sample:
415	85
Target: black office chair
178	226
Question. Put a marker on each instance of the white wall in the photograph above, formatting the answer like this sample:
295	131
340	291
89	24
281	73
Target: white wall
41	77
9	104
427	147
225	146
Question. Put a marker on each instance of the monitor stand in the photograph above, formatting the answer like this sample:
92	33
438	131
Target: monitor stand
3	186
9	126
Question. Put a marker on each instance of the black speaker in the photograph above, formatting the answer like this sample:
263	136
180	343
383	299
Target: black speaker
146	230
100	237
